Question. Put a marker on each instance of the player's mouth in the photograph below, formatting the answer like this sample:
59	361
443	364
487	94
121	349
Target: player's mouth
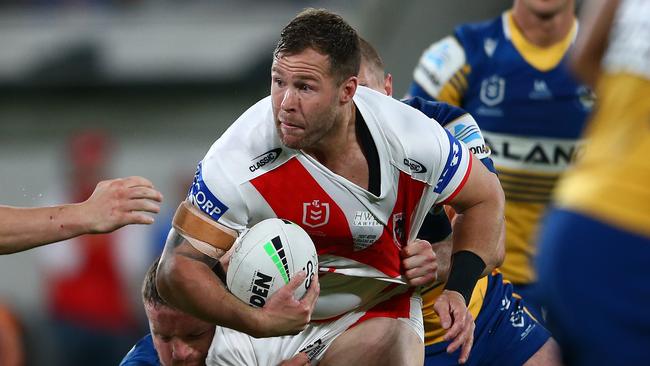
290	128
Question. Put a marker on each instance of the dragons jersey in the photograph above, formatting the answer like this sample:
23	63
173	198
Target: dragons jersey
248	176
530	109
610	178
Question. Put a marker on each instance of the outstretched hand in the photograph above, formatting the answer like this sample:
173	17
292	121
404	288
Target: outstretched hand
119	202
458	321
283	314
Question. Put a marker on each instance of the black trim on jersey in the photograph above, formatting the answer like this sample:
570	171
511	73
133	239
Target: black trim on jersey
369	149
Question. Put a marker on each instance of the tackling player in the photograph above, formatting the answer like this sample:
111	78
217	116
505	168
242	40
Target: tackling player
505	333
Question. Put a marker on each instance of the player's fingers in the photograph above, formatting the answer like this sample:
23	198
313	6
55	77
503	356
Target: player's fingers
141	205
296	281
425	279
441	308
414	262
312	292
136	217
137	181
300	359
145	192
459	322
467	346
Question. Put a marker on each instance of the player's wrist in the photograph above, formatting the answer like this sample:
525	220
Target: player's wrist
466	269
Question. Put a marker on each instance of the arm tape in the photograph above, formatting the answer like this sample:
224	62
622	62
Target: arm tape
200	230
466	269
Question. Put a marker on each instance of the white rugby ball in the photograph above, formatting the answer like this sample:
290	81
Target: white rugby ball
266	257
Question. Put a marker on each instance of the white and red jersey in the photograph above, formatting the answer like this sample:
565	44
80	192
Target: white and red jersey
248	176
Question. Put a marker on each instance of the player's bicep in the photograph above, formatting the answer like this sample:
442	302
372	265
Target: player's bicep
480	186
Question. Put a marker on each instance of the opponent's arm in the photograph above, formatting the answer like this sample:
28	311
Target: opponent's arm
113	204
595	23
186	280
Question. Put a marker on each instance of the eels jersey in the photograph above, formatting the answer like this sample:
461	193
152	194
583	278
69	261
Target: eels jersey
248	176
530	109
610	178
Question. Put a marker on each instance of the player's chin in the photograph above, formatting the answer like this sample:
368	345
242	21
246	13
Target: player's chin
292	141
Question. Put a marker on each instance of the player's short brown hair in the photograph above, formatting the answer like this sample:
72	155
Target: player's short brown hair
328	34
150	293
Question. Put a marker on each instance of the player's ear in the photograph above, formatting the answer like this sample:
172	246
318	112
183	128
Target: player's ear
347	89
388	84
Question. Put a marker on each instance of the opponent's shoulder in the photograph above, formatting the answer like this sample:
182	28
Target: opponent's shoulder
471	35
142	354
414	143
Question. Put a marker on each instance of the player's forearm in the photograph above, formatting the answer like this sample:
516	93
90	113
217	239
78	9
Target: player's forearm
188	283
26	228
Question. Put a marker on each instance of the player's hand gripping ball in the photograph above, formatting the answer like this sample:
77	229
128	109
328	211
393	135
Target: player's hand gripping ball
266	257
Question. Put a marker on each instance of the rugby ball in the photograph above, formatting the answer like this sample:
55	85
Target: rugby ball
266	257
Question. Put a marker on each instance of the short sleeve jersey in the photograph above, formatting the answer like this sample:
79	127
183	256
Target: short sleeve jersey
248	176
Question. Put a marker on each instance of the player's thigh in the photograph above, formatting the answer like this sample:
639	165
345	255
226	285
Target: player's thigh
548	355
377	341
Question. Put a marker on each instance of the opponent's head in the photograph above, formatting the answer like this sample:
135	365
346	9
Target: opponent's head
179	338
546	9
371	72
313	76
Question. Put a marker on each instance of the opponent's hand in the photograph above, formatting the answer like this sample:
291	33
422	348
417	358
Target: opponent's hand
119	202
300	359
458	321
283	314
419	262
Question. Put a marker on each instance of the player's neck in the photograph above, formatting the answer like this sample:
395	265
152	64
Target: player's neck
542	31
335	150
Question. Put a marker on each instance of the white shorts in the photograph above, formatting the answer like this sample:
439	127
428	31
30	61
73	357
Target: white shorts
233	348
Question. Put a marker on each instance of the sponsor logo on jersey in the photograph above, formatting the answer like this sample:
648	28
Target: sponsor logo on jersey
493	90
489	45
315	214
260	289
587	97
416	166
540	153
467	133
540	90
313	349
365	230
201	197
264	159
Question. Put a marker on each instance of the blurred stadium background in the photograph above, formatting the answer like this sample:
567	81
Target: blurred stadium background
153	83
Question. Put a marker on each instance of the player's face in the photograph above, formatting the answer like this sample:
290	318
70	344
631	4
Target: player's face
179	338
305	98
547	8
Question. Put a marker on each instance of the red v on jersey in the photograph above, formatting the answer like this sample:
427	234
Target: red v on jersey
294	194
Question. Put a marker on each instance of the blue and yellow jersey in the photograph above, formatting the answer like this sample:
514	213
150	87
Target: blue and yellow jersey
611	176
530	109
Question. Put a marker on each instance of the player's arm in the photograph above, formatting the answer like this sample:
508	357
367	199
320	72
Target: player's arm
590	46
113	204
478	232
187	281
441	73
